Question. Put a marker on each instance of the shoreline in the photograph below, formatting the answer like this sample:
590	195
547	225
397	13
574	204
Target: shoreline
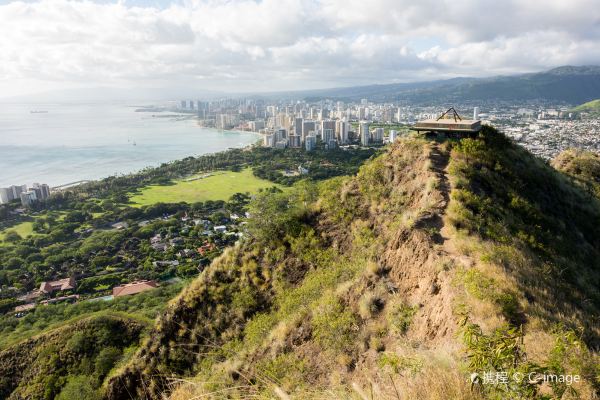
74	181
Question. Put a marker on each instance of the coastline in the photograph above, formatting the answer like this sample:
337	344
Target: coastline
96	142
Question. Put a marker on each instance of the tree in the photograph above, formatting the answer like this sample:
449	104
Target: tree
79	387
106	360
12	237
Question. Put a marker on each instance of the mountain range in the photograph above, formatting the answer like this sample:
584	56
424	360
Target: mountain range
569	84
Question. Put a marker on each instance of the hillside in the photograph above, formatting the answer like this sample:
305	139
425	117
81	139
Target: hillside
592	107
439	260
582	166
564	84
73	358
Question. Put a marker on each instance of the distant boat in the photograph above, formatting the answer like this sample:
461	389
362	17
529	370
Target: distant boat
38	112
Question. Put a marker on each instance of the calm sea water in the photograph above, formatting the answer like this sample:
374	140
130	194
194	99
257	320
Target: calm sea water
91	141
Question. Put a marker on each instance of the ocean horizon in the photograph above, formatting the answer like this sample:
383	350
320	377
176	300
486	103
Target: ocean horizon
59	144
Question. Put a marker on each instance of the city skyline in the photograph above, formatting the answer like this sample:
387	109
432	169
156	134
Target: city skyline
248	46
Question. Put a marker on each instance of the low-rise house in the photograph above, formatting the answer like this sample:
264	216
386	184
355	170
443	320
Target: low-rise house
220	228
30	296
120	225
205	248
73	297
185	253
61	284
159	246
176	241
160	263
156	239
133	288
24	307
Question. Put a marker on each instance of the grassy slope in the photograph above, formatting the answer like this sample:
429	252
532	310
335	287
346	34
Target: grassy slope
375	283
41	366
590	106
220	186
24	229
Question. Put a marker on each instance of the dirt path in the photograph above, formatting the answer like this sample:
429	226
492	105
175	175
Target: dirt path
440	160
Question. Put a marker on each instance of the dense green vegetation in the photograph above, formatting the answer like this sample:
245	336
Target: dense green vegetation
542	228
146	305
69	362
438	260
582	166
591	107
349	282
96	234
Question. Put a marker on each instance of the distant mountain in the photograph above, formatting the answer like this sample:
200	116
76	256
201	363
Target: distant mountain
571	84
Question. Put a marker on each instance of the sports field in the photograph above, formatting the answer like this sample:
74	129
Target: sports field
220	185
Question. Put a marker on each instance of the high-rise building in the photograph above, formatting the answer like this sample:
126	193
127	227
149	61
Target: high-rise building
314	113
342	128
280	134
327	136
295	141
310	142
183	104
269	140
476	113
393	135
298	124
362	113
14	192
364	133
28	198
257	125
364	102
327	124
6	195
307	126
378	135
42	190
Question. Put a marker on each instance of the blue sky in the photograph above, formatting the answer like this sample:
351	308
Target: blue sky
247	45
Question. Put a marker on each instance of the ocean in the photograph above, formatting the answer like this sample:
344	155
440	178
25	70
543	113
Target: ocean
63	143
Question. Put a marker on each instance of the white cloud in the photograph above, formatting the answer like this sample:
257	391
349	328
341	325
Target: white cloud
282	44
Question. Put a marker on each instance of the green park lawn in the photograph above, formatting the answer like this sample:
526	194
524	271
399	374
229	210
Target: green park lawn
24	229
220	185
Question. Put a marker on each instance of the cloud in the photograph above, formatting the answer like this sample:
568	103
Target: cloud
238	45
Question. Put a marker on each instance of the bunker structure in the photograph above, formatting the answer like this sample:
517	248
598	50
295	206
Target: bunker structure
449	124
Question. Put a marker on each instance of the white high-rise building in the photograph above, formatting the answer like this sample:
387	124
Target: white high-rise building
269	140
42	190
28	198
6	195
476	113
378	135
393	135
342	129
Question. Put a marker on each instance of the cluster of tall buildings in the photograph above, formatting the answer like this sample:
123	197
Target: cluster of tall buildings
27	195
292	131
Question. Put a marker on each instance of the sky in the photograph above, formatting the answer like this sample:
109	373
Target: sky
271	45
